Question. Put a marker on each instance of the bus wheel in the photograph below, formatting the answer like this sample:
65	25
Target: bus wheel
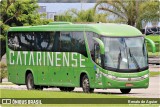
85	85
125	91
30	82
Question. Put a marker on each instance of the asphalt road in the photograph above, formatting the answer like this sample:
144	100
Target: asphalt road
152	92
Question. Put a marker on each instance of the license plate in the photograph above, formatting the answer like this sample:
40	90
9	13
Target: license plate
129	85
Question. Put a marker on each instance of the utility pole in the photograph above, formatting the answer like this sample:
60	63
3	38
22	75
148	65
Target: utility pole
137	9
137	2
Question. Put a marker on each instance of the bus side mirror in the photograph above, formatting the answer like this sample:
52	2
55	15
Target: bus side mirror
99	47
152	44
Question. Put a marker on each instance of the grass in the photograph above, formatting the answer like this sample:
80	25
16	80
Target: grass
152	74
7	83
5	93
154	38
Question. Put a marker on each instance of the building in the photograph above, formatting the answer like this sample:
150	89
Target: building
53	9
49	15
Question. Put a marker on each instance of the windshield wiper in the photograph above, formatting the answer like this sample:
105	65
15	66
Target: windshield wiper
126	52
134	59
143	48
119	58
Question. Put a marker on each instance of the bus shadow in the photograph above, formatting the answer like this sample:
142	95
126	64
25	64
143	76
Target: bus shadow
117	93
96	92
113	93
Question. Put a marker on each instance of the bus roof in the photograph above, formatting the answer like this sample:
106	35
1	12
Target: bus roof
105	29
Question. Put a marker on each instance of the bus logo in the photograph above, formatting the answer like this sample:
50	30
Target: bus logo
129	79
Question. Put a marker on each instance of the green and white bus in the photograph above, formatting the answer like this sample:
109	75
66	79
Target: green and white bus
66	55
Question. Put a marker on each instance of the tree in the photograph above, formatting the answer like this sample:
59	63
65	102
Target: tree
18	13
89	15
3	71
131	12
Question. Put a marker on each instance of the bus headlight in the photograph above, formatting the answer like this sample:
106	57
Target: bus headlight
145	76
109	76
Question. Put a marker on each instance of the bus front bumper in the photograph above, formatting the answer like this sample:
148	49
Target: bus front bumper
138	82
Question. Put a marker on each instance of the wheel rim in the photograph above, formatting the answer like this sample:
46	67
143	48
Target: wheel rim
30	83
85	85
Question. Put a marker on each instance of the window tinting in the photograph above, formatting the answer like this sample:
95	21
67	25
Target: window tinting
72	42
91	43
78	43
44	41
65	42
31	41
47	41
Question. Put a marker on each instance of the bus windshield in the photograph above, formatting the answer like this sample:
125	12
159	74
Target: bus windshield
125	53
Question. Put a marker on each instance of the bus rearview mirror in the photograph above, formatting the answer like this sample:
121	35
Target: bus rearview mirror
152	44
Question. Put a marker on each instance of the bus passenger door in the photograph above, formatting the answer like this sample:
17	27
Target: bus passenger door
98	61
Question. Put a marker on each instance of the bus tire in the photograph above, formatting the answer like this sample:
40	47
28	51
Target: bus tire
66	88
85	85
125	91
30	82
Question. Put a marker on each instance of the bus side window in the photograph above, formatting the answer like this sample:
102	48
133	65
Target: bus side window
31	41
65	42
13	41
91	43
27	41
78	43
51	44
42	41
56	42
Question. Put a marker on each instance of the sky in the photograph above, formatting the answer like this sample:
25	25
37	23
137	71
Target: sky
62	7
59	8
66	1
